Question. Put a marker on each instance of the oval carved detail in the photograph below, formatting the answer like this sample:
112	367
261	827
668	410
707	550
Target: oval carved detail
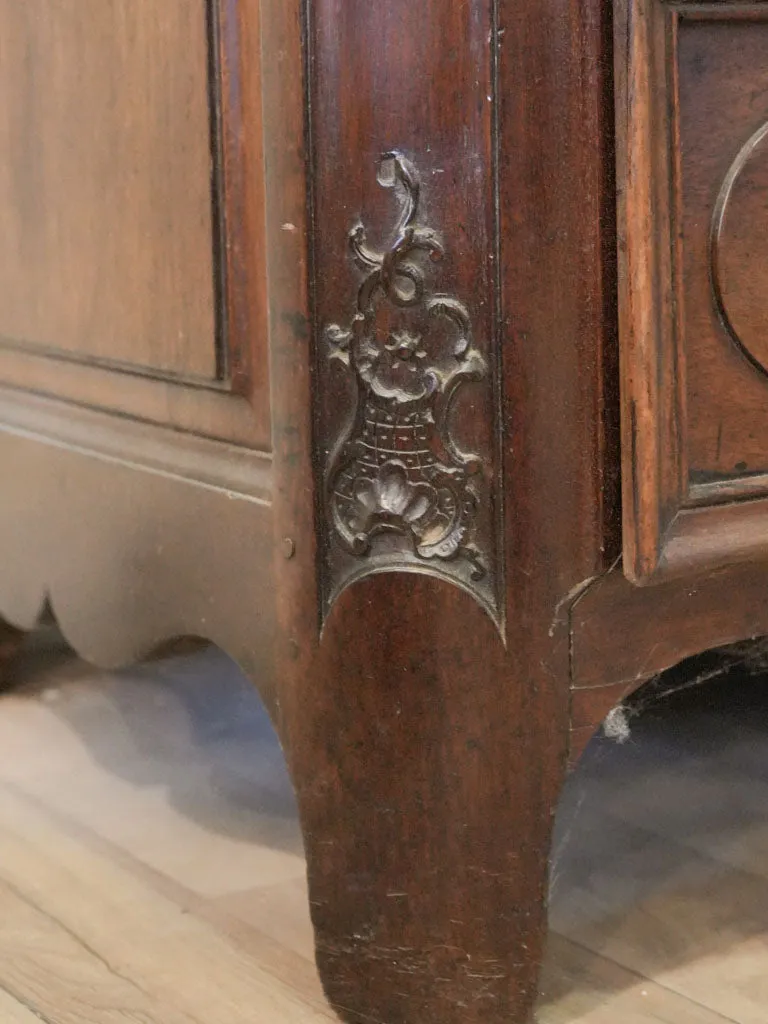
740	250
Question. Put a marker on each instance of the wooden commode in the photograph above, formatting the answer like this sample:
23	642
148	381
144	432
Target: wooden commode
416	354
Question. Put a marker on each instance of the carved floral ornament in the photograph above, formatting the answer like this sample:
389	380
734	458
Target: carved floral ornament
397	485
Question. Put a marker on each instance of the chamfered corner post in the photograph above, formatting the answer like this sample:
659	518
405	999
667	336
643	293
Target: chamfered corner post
436	316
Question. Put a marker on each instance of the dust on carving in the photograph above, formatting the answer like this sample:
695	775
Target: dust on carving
396	471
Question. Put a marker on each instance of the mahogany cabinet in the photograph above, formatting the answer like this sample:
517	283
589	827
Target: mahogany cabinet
417	355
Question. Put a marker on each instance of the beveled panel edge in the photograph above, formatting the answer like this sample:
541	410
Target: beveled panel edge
640	311
704	10
219	110
653	393
713	537
50	354
211	412
236	471
721	492
710	537
237	136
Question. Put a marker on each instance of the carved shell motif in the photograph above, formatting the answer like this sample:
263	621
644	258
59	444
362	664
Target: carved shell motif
399	493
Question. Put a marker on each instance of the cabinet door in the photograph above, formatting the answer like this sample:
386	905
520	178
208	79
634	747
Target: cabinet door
132	313
692	111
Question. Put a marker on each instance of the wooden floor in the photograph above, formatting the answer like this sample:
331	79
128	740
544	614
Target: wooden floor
151	867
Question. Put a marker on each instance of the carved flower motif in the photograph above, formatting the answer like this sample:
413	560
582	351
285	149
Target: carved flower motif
409	350
406	346
391	495
395	363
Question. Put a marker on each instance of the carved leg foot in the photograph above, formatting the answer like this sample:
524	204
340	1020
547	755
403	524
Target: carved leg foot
427	776
10	643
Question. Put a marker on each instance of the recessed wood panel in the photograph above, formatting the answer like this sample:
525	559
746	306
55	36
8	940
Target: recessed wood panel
723	102
692	119
132	274
106	224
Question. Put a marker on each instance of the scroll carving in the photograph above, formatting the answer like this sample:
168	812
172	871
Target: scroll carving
400	493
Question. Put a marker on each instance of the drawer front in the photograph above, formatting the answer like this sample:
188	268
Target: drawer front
692	141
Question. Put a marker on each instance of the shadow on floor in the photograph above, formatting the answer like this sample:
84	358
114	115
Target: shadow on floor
190	723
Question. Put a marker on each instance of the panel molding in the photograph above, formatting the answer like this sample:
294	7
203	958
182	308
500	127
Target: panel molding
235	470
50	354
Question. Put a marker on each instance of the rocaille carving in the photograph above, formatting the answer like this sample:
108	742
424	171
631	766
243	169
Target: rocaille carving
399	491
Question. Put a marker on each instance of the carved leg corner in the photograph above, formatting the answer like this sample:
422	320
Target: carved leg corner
433	481
427	790
406	935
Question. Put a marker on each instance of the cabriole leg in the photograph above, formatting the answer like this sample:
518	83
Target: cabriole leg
427	777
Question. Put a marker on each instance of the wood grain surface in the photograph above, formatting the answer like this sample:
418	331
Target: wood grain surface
413	710
132	211
102	254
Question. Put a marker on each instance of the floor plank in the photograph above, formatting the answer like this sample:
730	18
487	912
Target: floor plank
580	986
110	918
14	1012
